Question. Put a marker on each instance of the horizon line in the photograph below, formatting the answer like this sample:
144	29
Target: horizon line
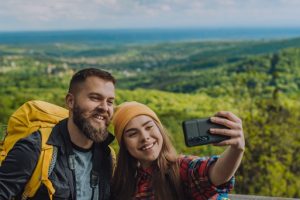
152	28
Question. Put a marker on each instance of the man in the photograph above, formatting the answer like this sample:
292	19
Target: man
79	139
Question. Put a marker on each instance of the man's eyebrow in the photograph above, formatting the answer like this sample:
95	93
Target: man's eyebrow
100	95
96	94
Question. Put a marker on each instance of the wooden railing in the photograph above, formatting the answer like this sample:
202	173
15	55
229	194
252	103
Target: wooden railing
252	197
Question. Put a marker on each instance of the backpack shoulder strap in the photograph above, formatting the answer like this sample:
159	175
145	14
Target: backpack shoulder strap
40	174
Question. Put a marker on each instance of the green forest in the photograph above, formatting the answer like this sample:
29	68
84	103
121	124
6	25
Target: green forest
257	80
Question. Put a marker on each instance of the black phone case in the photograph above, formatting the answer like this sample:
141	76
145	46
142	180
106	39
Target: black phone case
196	132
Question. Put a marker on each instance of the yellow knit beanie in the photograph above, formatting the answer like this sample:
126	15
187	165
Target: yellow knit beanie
125	112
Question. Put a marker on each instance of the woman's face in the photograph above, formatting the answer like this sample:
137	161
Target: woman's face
143	139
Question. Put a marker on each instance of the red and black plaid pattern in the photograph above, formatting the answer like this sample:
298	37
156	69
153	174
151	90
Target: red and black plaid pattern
144	190
195	180
194	177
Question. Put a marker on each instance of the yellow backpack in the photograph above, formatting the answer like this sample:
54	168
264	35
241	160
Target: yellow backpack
32	116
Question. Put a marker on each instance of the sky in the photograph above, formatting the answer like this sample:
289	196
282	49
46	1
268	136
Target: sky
18	15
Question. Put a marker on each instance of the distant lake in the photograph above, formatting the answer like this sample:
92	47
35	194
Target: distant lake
147	35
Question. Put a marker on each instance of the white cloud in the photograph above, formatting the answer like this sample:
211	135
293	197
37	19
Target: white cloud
139	13
41	10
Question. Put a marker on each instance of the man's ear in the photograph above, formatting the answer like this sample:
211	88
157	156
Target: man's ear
70	101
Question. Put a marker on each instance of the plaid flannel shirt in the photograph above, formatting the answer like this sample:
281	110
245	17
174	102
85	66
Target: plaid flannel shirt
194	177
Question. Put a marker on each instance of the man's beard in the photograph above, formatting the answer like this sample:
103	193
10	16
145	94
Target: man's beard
94	134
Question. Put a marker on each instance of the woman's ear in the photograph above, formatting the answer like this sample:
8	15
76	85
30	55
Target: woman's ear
69	101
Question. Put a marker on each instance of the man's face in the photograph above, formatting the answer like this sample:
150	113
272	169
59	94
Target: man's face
92	108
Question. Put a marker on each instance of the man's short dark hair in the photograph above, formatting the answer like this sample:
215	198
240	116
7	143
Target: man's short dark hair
82	75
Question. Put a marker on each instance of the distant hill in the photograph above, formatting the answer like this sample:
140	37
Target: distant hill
210	67
280	69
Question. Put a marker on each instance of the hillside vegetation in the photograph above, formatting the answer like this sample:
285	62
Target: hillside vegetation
257	80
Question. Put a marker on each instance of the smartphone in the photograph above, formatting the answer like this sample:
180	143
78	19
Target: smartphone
196	132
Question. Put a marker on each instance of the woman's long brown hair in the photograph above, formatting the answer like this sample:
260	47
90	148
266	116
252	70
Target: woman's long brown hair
166	181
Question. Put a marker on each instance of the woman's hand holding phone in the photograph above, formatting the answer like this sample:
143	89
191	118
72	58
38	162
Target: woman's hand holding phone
234	131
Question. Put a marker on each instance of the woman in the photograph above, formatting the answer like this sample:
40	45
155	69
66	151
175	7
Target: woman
149	168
